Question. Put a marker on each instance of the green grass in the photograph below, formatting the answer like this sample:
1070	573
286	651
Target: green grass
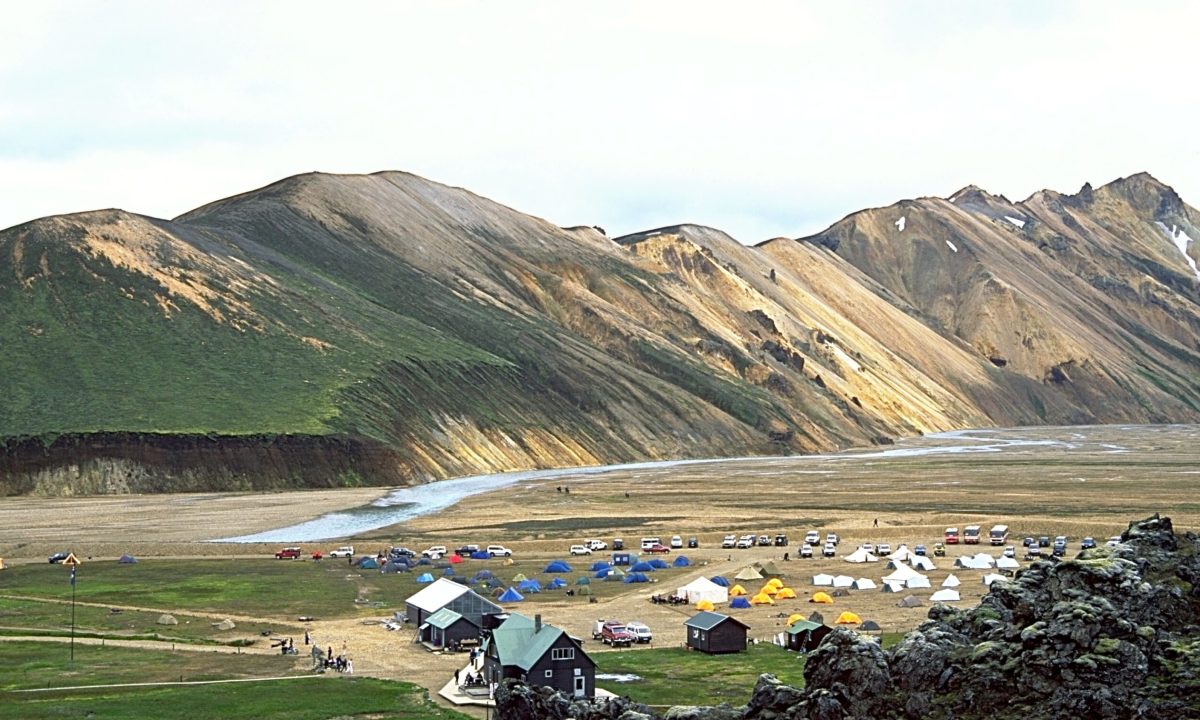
675	676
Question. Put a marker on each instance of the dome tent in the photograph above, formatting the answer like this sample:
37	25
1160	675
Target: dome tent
720	581
849	618
705	605
425	578
510	595
821	597
682	561
740	603
558	566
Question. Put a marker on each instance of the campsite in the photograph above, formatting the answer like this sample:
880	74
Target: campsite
914	498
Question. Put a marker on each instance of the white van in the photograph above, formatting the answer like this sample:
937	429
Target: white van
647	542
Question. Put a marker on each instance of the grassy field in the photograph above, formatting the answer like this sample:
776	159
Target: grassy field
302	699
675	676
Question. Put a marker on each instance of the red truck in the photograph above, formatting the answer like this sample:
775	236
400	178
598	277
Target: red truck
612	632
289	553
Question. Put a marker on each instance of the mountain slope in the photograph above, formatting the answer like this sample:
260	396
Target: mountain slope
386	329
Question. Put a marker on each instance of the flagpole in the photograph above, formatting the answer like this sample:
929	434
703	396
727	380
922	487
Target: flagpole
72	614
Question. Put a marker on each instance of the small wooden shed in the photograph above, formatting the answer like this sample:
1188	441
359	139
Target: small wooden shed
713	633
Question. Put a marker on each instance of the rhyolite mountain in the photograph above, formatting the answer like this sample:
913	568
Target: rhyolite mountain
386	329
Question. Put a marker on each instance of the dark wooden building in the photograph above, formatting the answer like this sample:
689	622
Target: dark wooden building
539	654
805	635
712	632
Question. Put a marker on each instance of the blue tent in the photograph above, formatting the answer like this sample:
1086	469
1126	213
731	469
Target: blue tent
424	578
635	577
720	581
557	583
739	602
642	567
391	567
530	586
424	561
495	582
127	559
682	561
367	562
511	595
448	571
558	566
480	555
660	564
601	574
483	574
584	580
600	565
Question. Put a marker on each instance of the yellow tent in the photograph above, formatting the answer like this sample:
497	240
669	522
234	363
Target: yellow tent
519	577
2	565
785	593
848	618
767	590
704	605
775	583
822	597
762	599
507	561
794	617
737	590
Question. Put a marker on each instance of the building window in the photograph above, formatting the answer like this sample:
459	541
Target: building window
695	633
562	654
549	673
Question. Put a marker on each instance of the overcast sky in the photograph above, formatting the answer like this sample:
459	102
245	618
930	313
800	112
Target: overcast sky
773	120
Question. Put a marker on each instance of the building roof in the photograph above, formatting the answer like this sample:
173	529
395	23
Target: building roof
519	642
709	620
802	626
436	596
443	618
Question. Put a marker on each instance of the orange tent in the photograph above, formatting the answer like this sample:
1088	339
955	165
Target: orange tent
794	617
785	593
775	583
762	599
705	605
822	597
767	590
737	590
848	618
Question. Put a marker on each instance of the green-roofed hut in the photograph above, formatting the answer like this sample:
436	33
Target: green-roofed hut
539	654
713	633
448	629
805	635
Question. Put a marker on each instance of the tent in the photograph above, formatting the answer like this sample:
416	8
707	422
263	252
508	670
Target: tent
529	586
705	605
869	625
455	559
991	578
748	573
424	561
481	555
720	581
860	556
601	574
484	574
918	581
891	586
424	578
448	572
583	580
840	592
442	564
614	574
794	617
125	559
642	567
864	584
822	580
945	595
737	590
920	562
600	565
901	553
511	595
636	577
843	581
389	567
821	597
816	617
775	583
507	561
951	581
983	559
901	574
767	568
520	577
495	582
557	583
3	565
461	580
703	589
785	593
909	601
1007	563
585	590
167	620
762	599
682	561
558	566
740	602
658	564
849	618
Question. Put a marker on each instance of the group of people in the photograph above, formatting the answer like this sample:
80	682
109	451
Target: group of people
468	679
325	659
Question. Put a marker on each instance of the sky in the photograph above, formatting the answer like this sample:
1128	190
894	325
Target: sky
771	120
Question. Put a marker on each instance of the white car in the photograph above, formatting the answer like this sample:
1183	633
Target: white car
1113	541
434	552
745	541
676	542
829	550
868	547
498	551
832	538
344	551
640	631
593	544
885	549
812	537
1010	551
729	541
806	550
581	550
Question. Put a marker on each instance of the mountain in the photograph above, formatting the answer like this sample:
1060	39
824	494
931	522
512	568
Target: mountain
386	329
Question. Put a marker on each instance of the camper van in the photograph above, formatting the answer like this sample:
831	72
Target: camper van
647	542
971	535
998	534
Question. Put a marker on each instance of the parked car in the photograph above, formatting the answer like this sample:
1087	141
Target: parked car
640	632
676	541
764	540
693	542
400	552
434	552
806	551
920	550
829	550
1029	541
581	550
344	551
832	538
498	551
1033	552
1010	551
1060	546
288	553
781	540
884	549
939	550
1043	541
612	633
869	547
58	557
812	537
594	544
1113	541
745	541
618	544
1088	543
729	541
466	550
657	548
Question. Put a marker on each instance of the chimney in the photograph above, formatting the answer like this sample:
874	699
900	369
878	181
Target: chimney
537	623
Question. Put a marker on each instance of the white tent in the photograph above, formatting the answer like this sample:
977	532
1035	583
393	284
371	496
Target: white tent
946	595
991	578
843	581
860	556
1007	563
972	562
900	553
823	580
917	581
703	589
864	584
920	562
891	586
984	560
951	581
901	574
